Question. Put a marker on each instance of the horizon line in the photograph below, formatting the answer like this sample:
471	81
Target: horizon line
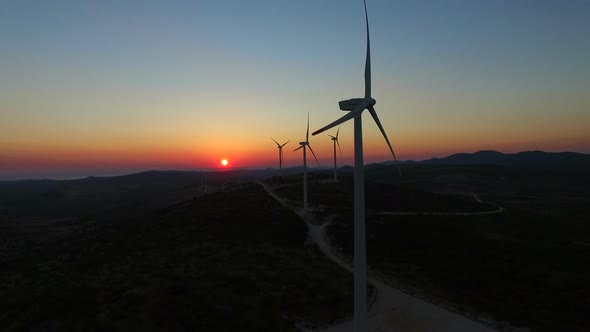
64	174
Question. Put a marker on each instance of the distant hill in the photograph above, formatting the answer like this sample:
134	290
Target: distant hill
526	159
134	194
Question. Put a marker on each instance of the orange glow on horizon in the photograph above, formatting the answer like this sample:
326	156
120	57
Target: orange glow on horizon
256	152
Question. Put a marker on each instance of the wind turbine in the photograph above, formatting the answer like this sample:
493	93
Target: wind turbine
280	147
304	145
335	140
356	106
203	181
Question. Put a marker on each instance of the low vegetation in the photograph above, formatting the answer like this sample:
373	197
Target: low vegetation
380	197
234	260
528	266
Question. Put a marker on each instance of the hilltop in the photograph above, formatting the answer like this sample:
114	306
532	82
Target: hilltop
526	159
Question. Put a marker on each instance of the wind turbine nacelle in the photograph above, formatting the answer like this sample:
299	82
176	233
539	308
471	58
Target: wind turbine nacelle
350	104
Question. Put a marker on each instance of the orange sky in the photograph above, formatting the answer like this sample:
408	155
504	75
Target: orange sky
260	152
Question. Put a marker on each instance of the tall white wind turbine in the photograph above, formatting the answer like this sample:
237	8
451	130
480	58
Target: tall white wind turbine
356	106
280	147
335	140
304	145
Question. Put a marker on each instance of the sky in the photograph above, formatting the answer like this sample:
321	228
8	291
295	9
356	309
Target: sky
106	87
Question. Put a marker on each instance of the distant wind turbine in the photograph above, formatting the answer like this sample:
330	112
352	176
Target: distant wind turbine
280	147
203	181
356	106
304	145
335	140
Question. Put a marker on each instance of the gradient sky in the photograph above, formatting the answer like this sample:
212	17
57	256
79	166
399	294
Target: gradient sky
109	86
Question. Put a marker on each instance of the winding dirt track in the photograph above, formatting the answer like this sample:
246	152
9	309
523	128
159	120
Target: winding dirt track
392	310
498	209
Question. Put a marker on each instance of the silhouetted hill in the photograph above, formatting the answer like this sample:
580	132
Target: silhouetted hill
217	262
124	196
480	157
98	195
526	159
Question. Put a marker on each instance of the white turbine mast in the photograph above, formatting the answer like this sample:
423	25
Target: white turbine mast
306	145
356	106
280	147
335	140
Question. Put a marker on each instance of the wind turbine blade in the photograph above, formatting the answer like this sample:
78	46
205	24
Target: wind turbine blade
368	59
337	143
298	148
275	141
285	143
337	132
307	132
345	118
316	158
332	136
376	118
358	109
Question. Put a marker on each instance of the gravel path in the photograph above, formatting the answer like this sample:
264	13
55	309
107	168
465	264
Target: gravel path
392	310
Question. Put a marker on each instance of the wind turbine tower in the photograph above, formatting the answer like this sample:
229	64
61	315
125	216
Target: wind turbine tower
356	106
335	140
280	147
304	145
203	181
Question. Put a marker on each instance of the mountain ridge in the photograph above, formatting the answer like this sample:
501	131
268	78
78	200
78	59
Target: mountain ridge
526	159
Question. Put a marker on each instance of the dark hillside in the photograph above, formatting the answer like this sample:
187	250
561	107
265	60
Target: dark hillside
527	265
229	261
526	159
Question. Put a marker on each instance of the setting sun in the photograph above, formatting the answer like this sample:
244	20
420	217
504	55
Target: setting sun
224	162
